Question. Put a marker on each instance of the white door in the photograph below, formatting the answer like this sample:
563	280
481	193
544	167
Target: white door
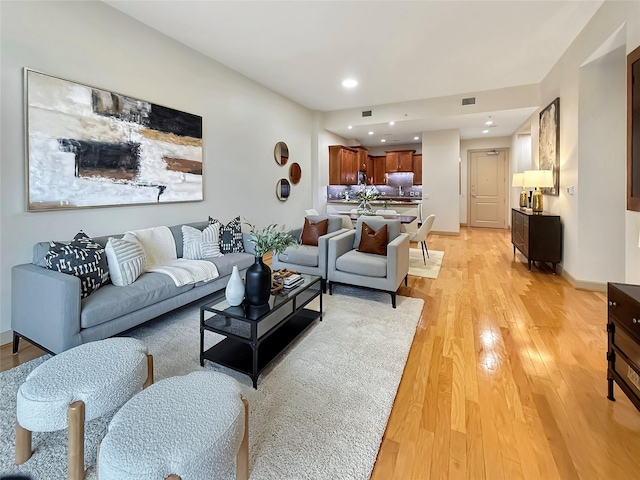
487	181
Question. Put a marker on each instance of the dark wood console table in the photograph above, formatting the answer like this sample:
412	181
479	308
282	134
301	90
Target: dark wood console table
623	327
538	236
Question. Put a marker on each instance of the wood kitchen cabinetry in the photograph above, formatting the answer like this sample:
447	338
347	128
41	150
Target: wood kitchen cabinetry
538	236
417	169
399	161
343	165
365	163
623	328
379	170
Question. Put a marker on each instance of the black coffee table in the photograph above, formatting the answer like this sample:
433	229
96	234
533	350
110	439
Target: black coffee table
255	336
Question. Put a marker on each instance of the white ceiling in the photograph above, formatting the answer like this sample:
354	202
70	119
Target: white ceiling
397	50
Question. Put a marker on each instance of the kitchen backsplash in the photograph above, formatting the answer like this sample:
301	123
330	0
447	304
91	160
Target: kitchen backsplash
338	192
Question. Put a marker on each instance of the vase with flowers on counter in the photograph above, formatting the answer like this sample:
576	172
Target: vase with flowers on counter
366	195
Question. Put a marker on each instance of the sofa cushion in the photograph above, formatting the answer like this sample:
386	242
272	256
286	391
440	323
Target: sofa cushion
312	230
300	255
335	223
112	302
372	241
393	228
230	236
126	261
176	231
82	258
199	244
365	264
225	263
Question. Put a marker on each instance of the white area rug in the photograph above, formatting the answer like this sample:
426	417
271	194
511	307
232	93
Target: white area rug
417	266
319	412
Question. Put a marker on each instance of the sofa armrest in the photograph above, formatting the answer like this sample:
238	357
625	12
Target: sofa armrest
45	306
398	258
323	246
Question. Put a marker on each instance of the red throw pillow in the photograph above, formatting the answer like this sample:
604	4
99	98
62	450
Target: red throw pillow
311	231
372	241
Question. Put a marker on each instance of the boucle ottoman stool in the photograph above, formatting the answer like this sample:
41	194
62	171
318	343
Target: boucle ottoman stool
191	427
77	386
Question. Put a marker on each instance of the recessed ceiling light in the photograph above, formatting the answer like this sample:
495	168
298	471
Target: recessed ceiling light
350	127
383	140
392	123
349	83
485	131
489	122
371	132
416	138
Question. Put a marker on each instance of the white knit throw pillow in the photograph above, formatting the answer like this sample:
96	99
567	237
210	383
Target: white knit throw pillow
126	261
197	244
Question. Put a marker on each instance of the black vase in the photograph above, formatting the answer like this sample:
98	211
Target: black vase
258	283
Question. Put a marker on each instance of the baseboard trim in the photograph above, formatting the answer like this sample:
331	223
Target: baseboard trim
582	284
463	224
434	232
6	337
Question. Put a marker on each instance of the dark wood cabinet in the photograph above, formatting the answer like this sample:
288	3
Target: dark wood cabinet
343	165
623	328
538	236
399	161
379	170
417	169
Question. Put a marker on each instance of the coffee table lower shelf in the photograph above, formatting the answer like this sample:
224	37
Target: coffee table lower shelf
252	360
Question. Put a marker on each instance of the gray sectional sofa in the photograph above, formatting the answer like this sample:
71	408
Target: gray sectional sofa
46	307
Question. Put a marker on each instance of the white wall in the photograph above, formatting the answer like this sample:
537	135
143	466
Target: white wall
440	164
601	218
580	135
475	144
91	43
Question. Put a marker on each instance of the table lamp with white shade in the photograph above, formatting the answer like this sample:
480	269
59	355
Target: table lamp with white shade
518	181
538	179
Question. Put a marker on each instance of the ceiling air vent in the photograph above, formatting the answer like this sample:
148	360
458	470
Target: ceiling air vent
366	113
469	101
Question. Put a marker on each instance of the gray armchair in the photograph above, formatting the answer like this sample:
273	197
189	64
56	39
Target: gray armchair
348	266
307	258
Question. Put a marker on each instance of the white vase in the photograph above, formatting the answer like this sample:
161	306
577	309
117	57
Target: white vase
235	288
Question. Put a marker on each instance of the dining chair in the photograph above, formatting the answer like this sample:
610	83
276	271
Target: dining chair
386	212
421	235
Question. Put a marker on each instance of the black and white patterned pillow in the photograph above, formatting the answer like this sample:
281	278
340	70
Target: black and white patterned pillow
230	235
83	258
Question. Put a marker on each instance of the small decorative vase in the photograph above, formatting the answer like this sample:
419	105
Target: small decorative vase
235	288
365	208
258	283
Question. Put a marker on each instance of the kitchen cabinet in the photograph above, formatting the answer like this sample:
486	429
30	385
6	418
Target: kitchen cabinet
538	236
399	161
379	170
417	169
343	165
365	163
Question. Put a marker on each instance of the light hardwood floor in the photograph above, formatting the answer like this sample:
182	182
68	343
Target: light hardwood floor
506	377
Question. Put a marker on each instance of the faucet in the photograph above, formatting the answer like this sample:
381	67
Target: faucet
400	191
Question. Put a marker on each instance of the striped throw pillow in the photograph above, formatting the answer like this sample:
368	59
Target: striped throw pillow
197	244
126	261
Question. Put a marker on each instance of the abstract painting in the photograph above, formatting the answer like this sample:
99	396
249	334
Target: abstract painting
88	147
549	145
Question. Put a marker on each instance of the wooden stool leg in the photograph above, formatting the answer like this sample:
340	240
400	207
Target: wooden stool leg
149	380
242	465
75	446
23	444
